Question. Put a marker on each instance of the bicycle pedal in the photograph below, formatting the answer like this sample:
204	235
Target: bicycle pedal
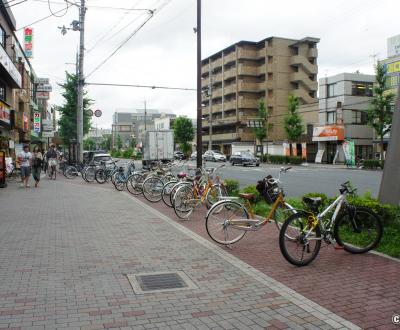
338	247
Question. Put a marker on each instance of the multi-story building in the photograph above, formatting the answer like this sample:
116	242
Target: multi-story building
343	101
165	122
127	123
17	87
245	72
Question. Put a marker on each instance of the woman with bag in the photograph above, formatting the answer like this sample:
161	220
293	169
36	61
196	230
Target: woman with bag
37	160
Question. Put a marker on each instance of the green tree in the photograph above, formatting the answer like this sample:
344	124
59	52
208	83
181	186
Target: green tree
380	112
133	143
106	142
183	133
292	122
89	144
119	142
68	111
261	132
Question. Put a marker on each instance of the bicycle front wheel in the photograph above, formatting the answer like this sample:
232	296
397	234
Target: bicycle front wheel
214	194
152	189
300	239
71	172
89	174
219	223
100	176
358	230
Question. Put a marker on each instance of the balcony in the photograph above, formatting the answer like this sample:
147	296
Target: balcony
304	96
301	77
230	73
229	105
205	69
248	70
251	86
226	121
12	74
216	63
299	60
216	108
231	89
231	57
221	137
313	53
248	103
249	54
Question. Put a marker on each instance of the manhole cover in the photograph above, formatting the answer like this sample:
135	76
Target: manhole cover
160	282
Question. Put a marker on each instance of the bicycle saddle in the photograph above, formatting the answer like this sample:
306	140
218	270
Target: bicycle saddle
181	175
313	202
249	197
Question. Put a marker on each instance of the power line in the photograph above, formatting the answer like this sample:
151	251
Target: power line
120	46
95	6
9	4
54	14
41	19
140	86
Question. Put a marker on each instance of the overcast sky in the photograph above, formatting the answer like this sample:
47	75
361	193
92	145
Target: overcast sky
164	51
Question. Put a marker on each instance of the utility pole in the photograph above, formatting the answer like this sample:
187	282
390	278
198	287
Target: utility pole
389	192
210	88
81	80
145	116
199	108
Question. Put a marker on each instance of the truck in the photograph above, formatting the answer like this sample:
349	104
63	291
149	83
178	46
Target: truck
158	146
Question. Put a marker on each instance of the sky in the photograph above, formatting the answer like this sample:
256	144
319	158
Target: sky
353	34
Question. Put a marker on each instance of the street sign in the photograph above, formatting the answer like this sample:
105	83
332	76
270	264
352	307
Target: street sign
47	134
89	112
44	88
43	95
36	122
98	113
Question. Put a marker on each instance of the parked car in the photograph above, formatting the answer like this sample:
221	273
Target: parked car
244	158
97	158
214	156
179	155
193	156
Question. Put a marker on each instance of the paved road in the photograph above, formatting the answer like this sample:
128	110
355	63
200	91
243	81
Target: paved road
67	248
302	179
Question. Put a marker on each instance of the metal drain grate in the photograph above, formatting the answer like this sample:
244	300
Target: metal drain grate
160	282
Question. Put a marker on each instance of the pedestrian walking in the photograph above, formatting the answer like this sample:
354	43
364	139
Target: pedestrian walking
25	159
37	162
52	157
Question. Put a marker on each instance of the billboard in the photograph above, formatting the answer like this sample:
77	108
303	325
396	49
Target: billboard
28	42
328	133
393	46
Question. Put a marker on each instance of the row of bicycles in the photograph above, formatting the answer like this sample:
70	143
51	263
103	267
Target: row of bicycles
228	219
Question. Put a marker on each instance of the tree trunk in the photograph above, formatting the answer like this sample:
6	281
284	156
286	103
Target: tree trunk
381	147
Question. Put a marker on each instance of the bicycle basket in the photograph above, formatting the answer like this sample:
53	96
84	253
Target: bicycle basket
268	191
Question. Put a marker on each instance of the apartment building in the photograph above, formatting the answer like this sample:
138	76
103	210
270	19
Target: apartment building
343	101
237	77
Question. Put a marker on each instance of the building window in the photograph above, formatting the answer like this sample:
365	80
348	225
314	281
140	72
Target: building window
2	37
2	91
310	130
331	90
361	88
358	117
331	117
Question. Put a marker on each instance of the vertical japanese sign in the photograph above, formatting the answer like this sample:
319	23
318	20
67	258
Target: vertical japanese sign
28	42
36	122
349	152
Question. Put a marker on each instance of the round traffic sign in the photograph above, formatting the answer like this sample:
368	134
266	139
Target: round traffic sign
89	112
98	113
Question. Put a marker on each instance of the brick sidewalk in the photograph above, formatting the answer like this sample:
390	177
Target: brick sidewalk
363	289
66	248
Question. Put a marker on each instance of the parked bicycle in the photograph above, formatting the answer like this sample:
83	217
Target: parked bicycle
229	220
105	172
355	229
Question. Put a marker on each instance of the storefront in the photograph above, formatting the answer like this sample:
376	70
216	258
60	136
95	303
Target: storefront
329	138
5	126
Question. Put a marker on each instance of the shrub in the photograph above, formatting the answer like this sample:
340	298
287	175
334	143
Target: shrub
262	208
373	164
127	153
232	187
138	155
277	159
117	154
295	160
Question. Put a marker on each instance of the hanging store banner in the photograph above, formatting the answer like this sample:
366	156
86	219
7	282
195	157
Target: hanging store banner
25	122
328	133
349	152
4	113
36	122
42	95
44	88
28	42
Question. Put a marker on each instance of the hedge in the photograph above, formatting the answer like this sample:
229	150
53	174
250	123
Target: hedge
278	159
373	164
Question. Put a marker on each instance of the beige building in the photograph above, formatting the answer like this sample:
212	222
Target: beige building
236	78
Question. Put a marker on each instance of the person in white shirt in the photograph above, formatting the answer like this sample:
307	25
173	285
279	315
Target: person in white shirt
25	159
